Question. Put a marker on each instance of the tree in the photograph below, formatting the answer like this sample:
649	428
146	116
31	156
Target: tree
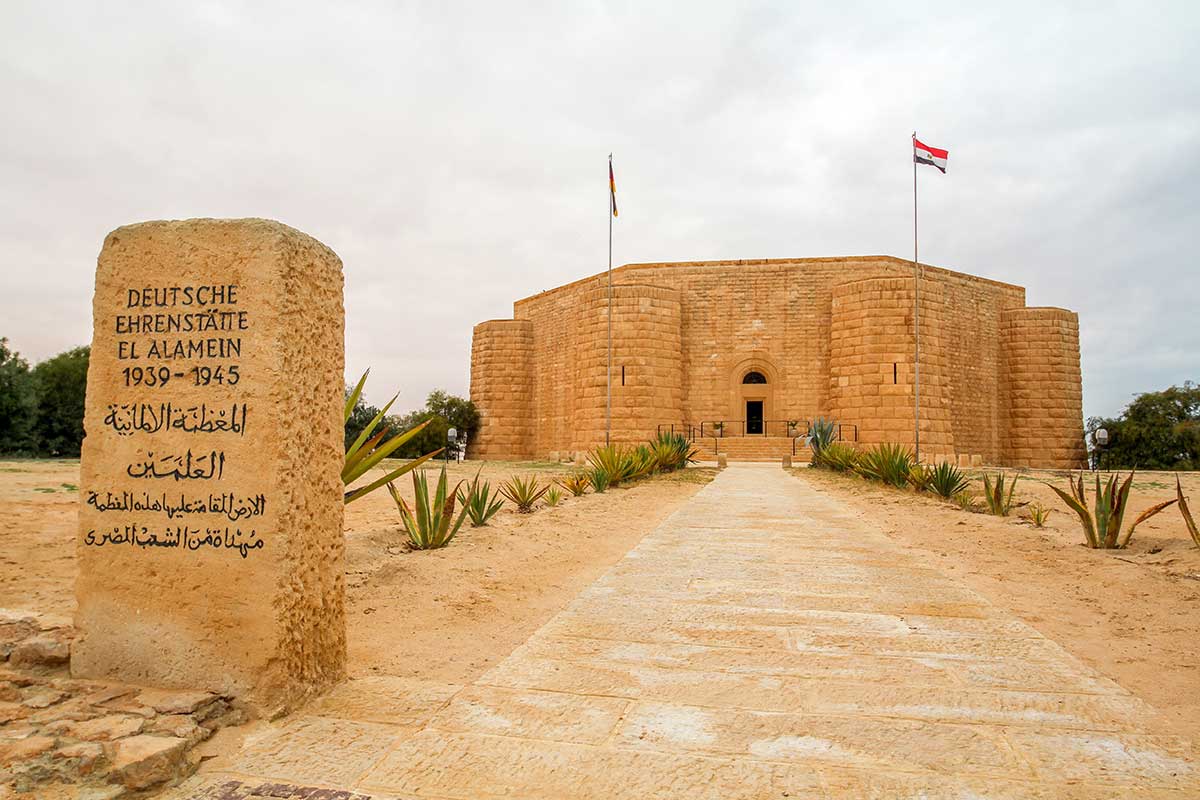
444	411
18	403
1158	430
458	412
60	383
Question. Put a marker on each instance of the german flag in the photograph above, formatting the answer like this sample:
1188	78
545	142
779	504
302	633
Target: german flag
612	187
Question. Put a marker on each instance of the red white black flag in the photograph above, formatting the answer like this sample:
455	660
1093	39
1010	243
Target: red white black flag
924	154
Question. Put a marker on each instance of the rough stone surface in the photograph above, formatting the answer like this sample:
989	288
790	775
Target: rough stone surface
142	761
63	750
210	550
833	337
760	643
103	729
41	651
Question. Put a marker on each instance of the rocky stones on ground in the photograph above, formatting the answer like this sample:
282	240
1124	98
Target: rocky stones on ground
41	651
144	760
66	739
103	729
175	702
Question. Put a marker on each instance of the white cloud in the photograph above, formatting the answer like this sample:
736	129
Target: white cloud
454	154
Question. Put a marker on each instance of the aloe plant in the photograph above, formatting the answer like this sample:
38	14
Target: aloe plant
1102	529
672	451
523	492
1188	519
600	479
999	502
944	480
887	463
553	497
576	483
1038	514
838	456
614	459
480	502
432	524
368	450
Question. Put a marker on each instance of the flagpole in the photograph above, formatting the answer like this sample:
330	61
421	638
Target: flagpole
608	407
916	315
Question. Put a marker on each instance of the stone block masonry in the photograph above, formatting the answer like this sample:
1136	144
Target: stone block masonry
210	545
828	337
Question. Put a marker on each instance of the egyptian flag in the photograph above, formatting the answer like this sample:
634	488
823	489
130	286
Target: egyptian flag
924	154
612	186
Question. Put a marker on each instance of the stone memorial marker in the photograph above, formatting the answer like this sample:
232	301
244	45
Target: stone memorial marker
210	549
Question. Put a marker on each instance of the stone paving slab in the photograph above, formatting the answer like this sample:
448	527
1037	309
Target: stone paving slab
760	643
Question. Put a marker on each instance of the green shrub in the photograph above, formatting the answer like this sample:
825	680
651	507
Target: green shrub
945	480
432	525
480	502
576	483
838	456
1103	529
887	463
523	492
999	502
553	496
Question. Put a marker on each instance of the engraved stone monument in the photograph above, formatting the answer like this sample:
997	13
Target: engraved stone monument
210	546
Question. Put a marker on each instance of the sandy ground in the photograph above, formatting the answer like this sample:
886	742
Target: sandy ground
1133	614
448	613
452	613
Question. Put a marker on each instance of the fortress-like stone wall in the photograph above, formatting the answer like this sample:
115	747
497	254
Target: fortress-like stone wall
833	337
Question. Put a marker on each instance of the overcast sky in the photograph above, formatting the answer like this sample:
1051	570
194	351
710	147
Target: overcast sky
454	154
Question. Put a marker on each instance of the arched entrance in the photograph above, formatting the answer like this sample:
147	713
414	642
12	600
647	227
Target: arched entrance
755	412
753	395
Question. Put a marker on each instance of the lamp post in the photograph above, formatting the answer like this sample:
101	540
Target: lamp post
451	439
1101	439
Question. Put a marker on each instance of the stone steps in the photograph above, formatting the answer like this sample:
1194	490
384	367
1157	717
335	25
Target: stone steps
751	448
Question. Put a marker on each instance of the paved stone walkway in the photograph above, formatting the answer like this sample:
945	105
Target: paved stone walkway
760	643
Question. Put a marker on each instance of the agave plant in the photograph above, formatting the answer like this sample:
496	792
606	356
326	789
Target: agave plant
888	463
368	450
523	492
945	480
576	483
1188	519
820	435
968	502
643	461
1038	514
918	477
838	456
672	451
553	497
999	502
615	460
1103	528
480	502
600	479
432	524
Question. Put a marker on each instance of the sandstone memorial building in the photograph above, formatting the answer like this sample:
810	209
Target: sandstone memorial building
742	354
